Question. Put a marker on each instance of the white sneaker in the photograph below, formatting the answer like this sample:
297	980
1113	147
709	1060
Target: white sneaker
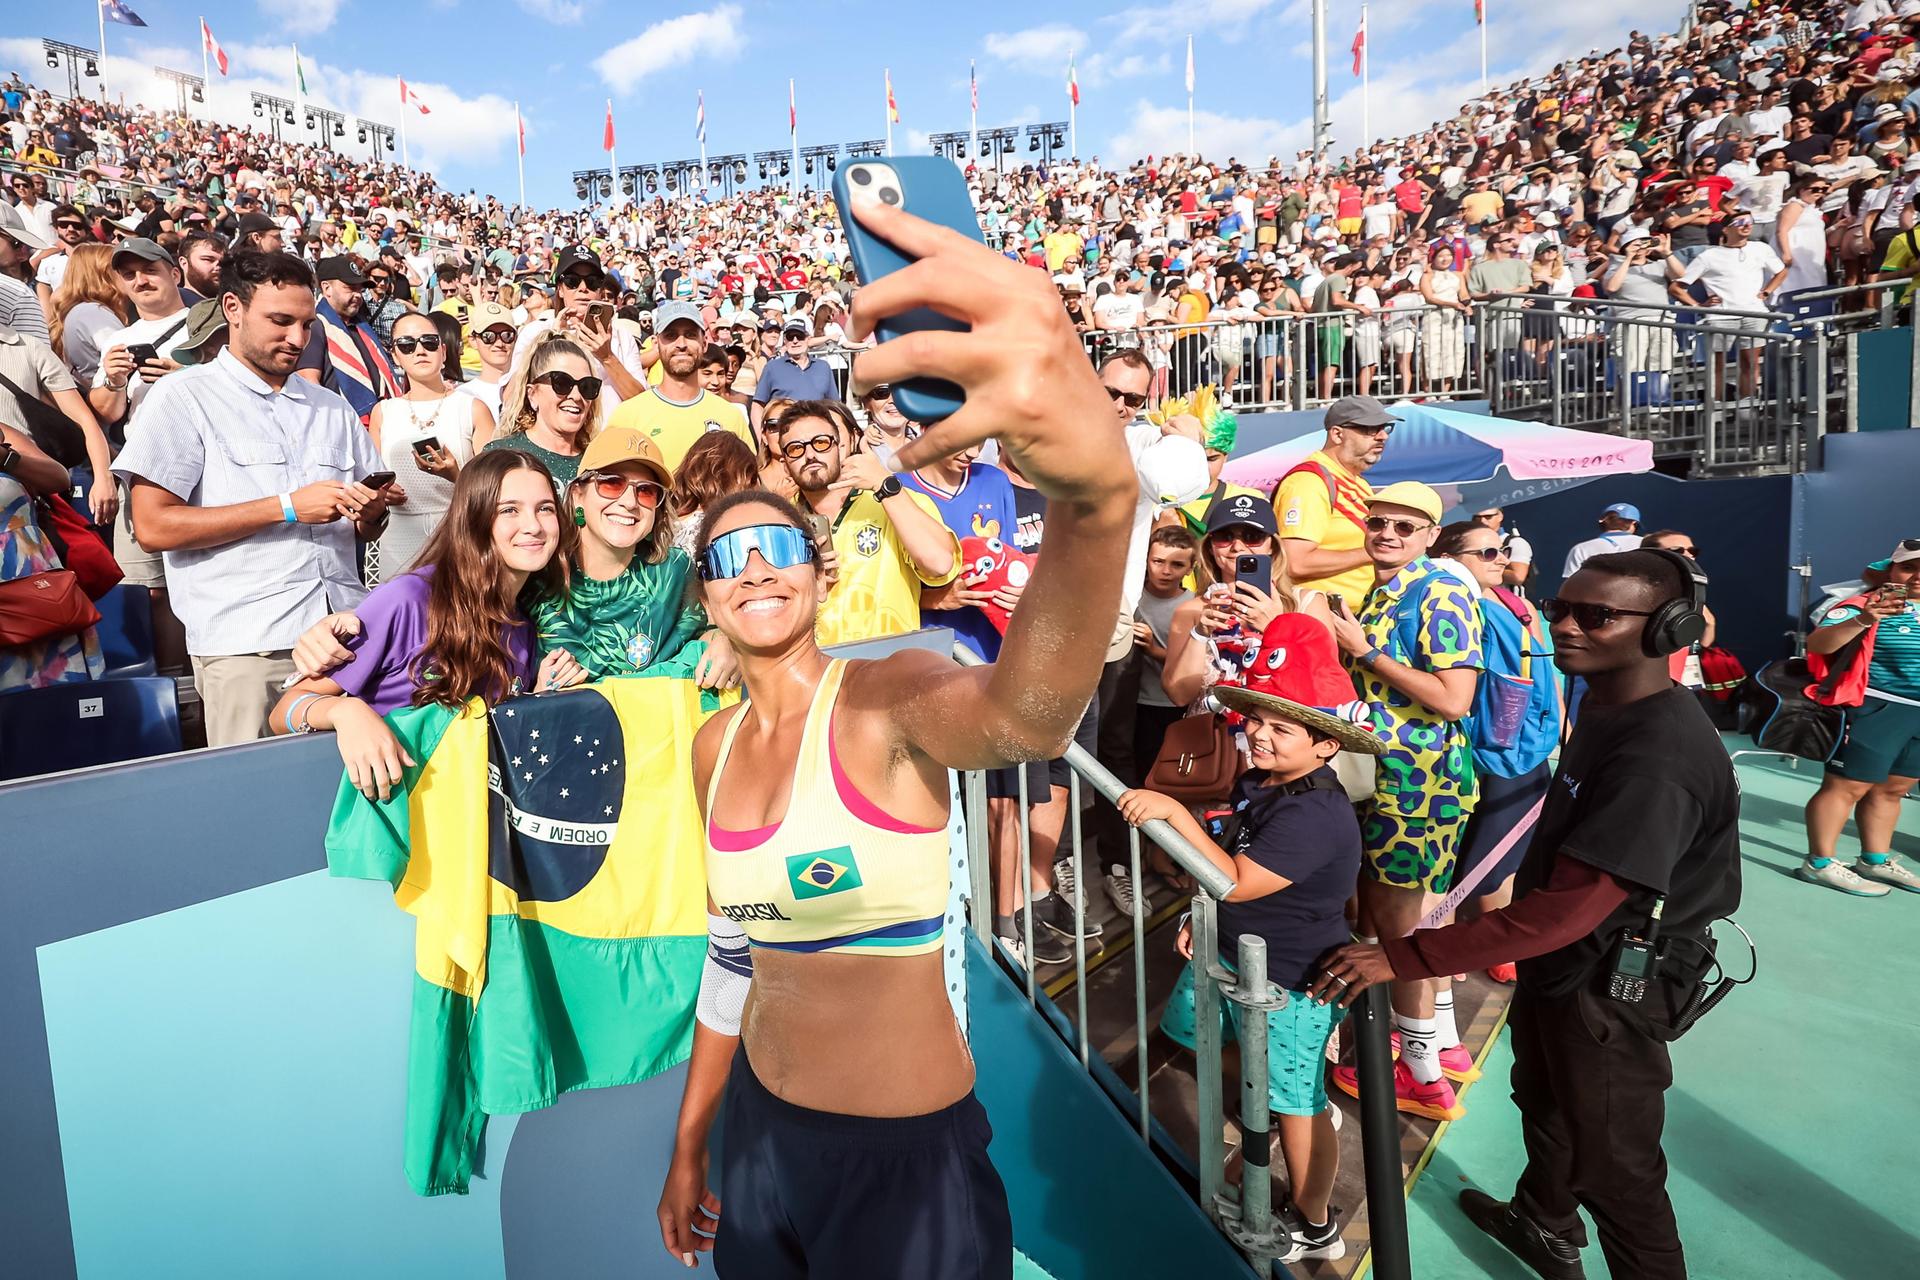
1837	876
1891	872
1120	891
1066	873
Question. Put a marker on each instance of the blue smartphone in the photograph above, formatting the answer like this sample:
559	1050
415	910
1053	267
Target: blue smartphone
929	187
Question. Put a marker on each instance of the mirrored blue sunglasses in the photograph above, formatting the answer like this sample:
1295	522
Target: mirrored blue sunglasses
781	545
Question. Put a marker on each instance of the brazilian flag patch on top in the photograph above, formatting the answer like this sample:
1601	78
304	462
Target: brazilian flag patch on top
815	875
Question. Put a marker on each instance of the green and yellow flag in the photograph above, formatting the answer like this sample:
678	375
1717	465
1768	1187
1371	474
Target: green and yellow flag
552	854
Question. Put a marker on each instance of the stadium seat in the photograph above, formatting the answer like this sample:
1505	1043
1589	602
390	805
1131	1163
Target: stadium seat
75	726
126	631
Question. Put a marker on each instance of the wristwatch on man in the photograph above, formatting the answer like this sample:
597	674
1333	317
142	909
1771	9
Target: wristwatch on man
888	488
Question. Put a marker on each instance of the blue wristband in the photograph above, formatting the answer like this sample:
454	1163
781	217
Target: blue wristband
287	512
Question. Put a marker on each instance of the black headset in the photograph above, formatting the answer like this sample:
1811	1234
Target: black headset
1679	623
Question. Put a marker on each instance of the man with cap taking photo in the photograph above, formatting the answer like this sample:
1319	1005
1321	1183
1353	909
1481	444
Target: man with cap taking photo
793	374
343	353
1619	531
680	410
258	231
1322	503
582	294
1414	648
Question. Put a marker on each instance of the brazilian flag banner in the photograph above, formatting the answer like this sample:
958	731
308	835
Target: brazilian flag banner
551	854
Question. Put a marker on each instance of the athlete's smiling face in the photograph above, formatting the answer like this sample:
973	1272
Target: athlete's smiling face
763	608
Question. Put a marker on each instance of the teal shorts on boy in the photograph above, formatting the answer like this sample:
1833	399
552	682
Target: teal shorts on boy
1297	1038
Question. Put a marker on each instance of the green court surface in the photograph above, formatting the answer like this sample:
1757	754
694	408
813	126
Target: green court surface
1794	1115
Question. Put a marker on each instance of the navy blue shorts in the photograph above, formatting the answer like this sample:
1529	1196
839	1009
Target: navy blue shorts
814	1195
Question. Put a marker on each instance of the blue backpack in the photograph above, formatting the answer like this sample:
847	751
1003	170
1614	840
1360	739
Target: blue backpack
1515	722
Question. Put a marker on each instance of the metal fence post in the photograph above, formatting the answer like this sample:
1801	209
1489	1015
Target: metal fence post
979	859
1380	1136
1206	1052
1257	998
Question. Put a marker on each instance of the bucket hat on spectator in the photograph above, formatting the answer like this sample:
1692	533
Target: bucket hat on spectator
205	321
15	228
1297	674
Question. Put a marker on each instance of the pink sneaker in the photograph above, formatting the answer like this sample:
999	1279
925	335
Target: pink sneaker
1435	1101
1455	1062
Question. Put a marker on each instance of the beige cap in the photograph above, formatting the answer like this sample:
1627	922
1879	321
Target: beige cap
1411	494
482	316
623	444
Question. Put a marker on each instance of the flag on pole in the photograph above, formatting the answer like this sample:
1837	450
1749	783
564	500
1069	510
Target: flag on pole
1480	12
407	95
606	136
793	111
520	127
1073	83
893	108
973	85
700	117
299	72
1360	45
1189	64
114	11
212	46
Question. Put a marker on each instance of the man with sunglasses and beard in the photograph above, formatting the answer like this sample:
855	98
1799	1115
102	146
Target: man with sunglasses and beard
1322	503
1641	822
680	410
582	297
343	353
887	541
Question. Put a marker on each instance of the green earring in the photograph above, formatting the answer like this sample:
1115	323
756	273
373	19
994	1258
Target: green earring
580	517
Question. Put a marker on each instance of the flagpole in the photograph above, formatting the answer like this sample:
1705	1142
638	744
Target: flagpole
1366	80
1073	112
1190	147
973	112
703	140
793	127
206	61
1483	47
100	9
404	104
519	147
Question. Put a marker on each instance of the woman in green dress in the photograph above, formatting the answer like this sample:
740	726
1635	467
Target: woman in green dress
627	610
551	408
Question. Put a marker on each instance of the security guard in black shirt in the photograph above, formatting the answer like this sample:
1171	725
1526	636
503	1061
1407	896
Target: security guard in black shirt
1637	852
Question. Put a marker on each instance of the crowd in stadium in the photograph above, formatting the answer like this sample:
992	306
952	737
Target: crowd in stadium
315	398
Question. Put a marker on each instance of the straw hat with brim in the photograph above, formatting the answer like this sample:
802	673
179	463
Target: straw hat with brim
1296	674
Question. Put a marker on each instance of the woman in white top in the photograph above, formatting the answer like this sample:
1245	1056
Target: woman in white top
424	437
1443	329
1801	236
494	334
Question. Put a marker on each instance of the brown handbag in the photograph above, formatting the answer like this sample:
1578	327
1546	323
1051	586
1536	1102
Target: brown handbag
44	604
1199	760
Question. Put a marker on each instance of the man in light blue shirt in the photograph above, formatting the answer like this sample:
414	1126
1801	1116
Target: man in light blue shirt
247	480
793	374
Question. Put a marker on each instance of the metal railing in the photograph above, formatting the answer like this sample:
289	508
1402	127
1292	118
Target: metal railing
1244	1214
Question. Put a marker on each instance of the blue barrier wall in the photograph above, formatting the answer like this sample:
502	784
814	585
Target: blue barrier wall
204	1072
1741	527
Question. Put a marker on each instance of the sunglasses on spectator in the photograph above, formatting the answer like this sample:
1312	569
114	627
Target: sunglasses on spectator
68	224
1404	528
425	342
563	385
499	335
793	450
1489	554
781	545
647	493
1132	399
1588	617
1689	550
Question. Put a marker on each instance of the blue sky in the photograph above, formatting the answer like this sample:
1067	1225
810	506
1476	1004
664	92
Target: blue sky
469	60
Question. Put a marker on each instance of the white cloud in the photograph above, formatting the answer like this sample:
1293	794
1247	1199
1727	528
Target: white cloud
671	43
1156	130
1044	48
304	18
564	12
1225	20
1104	68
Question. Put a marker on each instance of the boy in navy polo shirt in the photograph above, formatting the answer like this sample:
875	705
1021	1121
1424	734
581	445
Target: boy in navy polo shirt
1292	846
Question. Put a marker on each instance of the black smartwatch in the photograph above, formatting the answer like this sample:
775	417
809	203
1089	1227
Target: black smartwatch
888	488
8	456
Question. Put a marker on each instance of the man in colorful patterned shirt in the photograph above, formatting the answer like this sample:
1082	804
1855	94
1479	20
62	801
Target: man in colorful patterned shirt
1414	650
